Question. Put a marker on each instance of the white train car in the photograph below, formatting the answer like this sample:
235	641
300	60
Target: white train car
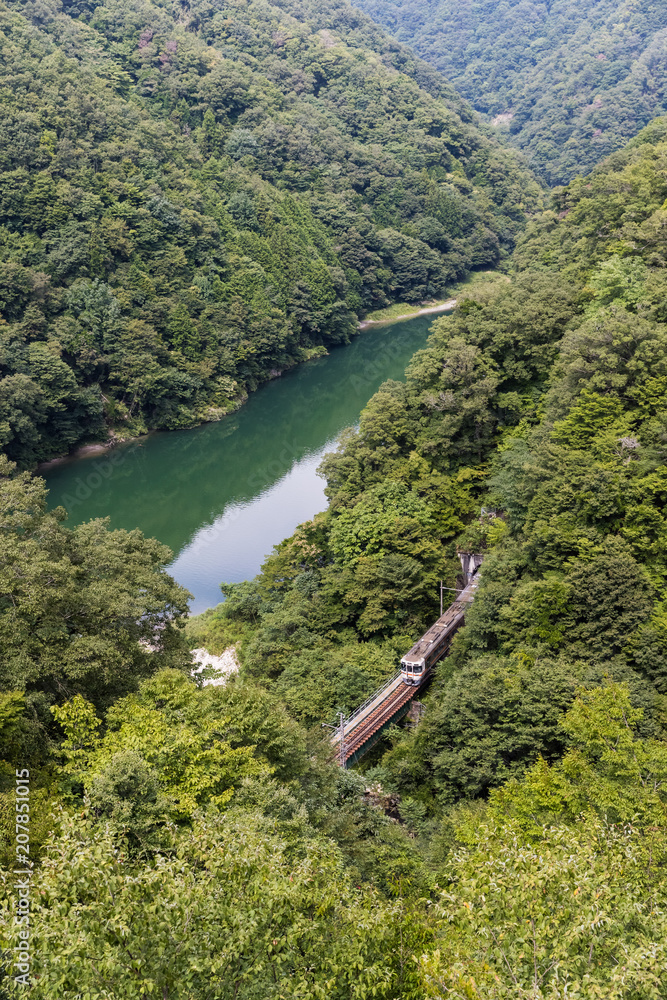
433	645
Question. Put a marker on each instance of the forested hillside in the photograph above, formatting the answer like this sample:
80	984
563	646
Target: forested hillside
567	81
532	428
532	846
193	198
197	842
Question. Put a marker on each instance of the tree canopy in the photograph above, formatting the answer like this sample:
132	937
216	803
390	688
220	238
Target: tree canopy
190	204
174	173
566	82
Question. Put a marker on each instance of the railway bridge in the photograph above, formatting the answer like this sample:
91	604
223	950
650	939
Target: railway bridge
355	735
361	730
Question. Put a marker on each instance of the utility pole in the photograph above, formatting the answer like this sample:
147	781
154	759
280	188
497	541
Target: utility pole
454	590
341	730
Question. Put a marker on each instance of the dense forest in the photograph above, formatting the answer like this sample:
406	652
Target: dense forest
533	428
567	81
193	198
198	841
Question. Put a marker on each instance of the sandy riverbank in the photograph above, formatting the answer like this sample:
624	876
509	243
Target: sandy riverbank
443	307
86	451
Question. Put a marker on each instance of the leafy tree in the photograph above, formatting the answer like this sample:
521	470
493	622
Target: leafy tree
182	333
489	722
270	923
83	610
610	770
582	911
388	514
144	750
619	279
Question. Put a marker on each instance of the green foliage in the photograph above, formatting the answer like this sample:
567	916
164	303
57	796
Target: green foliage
44	799
205	808
567	83
609	770
381	515
12	707
80	725
195	765
211	848
580	913
484	369
545	898
316	683
84	611
619	279
233	913
591	414
484	725
543	402
233	189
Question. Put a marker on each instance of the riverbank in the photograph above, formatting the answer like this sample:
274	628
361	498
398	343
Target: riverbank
476	286
86	451
222	495
437	308
115	439
310	354
209	416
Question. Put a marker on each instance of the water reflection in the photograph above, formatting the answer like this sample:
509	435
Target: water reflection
223	494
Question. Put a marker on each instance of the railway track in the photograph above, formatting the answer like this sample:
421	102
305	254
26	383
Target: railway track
362	729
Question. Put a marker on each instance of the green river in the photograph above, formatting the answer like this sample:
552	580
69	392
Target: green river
222	495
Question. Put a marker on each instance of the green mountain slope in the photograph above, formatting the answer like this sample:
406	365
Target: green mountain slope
199	839
533	428
544	398
570	81
193	198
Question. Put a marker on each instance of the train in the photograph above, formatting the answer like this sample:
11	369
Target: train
420	660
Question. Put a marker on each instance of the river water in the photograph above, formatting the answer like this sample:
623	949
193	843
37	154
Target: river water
222	495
